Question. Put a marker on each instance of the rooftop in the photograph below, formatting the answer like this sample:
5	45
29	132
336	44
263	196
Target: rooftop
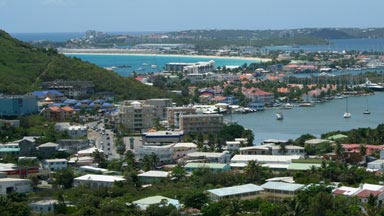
282	186
153	200
239	189
206	154
155	174
49	144
100	178
205	165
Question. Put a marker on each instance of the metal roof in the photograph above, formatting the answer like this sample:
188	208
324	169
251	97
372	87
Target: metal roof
303	166
282	186
206	165
234	190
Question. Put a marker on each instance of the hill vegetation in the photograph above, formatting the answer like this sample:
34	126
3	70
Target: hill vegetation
23	67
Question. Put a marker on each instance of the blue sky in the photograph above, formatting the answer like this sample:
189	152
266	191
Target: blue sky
166	15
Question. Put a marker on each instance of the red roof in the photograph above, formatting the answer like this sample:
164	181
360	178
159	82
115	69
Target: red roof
365	193
338	191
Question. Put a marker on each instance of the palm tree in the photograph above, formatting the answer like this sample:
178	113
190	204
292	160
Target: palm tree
363	150
339	150
155	160
252	170
283	148
147	163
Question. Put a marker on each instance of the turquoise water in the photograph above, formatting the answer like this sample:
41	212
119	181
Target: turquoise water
316	120
142	63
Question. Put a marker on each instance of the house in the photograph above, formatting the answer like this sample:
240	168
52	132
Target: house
212	157
213	167
153	176
377	165
272	161
272	149
43	206
303	166
281	189
362	192
9	185
355	148
88	152
96	181
9	149
164	153
143	204
315	142
72	130
48	149
246	191
180	150
55	164
233	145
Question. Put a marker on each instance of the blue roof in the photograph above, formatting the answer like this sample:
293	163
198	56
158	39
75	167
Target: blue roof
78	104
70	101
91	104
106	105
47	92
99	101
86	101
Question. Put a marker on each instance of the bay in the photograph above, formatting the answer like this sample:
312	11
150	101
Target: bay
316	120
142	63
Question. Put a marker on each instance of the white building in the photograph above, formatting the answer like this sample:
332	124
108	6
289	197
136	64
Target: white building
143	204
55	164
153	176
246	191
377	165
272	149
233	145
72	130
362	192
164	153
182	149
43	206
271	161
215	157
96	181
9	185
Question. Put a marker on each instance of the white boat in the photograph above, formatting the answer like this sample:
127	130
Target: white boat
279	116
287	106
347	114
153	66
366	111
370	85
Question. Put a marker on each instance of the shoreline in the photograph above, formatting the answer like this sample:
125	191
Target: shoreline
118	52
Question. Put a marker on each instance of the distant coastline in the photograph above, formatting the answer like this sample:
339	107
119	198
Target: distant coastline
133	53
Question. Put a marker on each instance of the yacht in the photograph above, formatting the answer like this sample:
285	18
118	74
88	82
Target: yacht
347	114
373	86
279	116
153	66
287	106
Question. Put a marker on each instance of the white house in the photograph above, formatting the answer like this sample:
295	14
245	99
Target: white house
215	157
362	192
233	145
72	130
153	176
55	164
377	165
9	185
43	206
246	191
143	204
182	149
95	181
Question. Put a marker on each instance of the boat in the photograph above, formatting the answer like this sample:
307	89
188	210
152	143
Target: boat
366	111
279	116
153	66
145	64
373	86
287	106
347	114
306	104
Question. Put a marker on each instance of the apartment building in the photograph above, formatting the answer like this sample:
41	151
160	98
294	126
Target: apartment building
137	116
201	123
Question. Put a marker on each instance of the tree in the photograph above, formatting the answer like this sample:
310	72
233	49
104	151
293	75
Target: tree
195	199
283	149
99	158
63	178
339	150
363	150
178	172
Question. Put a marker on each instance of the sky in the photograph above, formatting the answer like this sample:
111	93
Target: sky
40	16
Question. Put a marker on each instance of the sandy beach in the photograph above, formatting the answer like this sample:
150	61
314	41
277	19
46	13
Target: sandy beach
130	53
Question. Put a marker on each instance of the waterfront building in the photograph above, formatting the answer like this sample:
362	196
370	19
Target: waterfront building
137	116
174	113
160	106
17	105
143	204
96	181
10	185
257	95
55	164
201	123
191	68
71	89
246	191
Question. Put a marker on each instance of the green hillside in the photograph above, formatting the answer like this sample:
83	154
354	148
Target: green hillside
23	67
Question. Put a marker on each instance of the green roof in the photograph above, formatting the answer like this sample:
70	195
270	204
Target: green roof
337	136
9	150
206	165
303	166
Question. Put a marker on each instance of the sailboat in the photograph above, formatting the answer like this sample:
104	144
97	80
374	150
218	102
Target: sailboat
279	116
366	111
347	114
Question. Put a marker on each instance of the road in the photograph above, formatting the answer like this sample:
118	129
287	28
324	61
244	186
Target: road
104	139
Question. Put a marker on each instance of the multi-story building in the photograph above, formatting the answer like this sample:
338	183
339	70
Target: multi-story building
201	123
136	116
73	145
72	130
55	164
162	137
212	157
71	89
16	105
257	95
191	68
163	153
59	114
160	106
173	114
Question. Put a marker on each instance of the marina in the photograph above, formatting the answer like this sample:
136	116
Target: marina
322	118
